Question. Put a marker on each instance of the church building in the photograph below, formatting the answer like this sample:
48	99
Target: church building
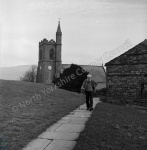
50	62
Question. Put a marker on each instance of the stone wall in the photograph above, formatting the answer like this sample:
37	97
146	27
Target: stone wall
124	83
126	75
127	69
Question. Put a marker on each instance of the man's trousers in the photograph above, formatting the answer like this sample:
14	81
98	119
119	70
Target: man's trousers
89	99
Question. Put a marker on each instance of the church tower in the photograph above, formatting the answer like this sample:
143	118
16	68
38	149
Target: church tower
58	50
49	64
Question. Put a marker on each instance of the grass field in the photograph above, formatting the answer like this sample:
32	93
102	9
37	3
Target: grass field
114	127
27	109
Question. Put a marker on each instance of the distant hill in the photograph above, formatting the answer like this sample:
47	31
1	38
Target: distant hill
13	73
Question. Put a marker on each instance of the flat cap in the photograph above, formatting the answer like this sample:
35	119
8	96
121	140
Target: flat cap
89	75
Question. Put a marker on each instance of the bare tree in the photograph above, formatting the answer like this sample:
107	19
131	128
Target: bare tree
30	75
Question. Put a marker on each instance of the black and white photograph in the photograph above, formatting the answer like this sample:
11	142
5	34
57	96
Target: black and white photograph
73	74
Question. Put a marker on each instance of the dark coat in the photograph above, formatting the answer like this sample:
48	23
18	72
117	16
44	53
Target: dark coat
84	85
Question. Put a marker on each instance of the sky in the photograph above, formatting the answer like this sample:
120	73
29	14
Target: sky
90	28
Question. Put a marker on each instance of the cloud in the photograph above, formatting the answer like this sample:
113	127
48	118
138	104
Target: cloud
84	6
87	26
18	51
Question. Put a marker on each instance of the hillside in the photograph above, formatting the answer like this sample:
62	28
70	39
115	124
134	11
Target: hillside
13	73
27	109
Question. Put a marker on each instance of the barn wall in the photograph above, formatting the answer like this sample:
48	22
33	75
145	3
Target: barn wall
127	69
124	82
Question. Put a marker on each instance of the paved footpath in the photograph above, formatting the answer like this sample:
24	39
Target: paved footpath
63	134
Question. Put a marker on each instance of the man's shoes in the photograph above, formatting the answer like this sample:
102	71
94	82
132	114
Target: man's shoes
91	109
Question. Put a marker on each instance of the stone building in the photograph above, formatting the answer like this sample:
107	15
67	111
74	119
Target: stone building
50	62
97	72
126	76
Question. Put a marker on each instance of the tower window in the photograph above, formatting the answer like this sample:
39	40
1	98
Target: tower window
40	54
52	55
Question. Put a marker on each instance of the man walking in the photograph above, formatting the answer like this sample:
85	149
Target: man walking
88	87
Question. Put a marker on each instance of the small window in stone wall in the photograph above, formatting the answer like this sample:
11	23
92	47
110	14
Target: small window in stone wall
144	90
110	84
52	54
40	54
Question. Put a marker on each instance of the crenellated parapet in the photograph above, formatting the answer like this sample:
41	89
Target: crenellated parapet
46	42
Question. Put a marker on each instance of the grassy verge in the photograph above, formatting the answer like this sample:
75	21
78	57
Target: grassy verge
114	127
23	115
